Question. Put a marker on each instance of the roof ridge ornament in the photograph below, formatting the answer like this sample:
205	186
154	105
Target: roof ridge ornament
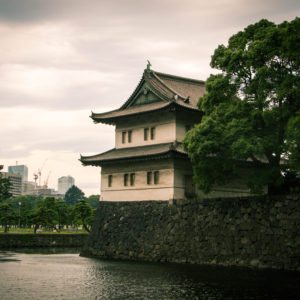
174	145
187	99
148	66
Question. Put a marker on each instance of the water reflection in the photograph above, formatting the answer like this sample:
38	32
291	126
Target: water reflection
68	276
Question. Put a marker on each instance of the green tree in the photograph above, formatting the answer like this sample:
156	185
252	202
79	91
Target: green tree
83	214
46	214
73	195
27	204
251	110
5	186
7	216
64	213
293	141
93	200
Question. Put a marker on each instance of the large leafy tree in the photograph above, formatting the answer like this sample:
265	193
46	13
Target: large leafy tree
251	109
84	214
46	214
73	195
64	213
24	207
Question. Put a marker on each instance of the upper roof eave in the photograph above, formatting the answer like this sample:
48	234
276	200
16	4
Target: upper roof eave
112	116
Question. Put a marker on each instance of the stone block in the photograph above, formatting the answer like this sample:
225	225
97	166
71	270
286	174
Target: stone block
255	232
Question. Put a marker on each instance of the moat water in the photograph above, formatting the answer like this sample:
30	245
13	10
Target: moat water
69	276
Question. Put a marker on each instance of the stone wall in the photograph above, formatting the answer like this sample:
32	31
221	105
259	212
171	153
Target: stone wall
11	240
257	232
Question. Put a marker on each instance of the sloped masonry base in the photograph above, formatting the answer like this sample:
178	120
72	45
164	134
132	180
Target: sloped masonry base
259	232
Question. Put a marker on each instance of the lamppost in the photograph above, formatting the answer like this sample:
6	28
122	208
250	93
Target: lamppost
20	203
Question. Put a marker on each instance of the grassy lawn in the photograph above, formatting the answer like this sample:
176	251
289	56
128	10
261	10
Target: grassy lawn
42	231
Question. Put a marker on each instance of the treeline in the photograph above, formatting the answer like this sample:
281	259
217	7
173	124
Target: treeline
49	213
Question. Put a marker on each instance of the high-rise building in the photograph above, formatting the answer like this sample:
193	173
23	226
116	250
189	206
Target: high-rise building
20	170
16	183
64	183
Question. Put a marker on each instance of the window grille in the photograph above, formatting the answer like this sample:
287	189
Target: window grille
149	178
132	178
125	179
110	180
123	137
156	177
152	133
146	134
129	136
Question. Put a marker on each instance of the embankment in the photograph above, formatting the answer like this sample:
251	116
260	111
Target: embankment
9	241
260	232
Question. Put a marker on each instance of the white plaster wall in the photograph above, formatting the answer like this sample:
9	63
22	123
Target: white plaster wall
158	194
141	190
169	128
164	132
164	190
181	170
182	121
180	131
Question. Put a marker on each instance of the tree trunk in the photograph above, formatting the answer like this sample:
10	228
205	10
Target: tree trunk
36	227
86	227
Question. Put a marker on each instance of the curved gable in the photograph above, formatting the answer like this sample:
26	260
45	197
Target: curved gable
146	94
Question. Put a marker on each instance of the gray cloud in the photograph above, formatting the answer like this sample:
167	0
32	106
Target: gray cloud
156	11
59	59
113	38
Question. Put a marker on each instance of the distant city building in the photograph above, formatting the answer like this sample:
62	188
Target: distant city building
31	189
64	183
16	183
20	170
45	192
28	188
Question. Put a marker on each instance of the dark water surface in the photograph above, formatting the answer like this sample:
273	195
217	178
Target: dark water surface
69	276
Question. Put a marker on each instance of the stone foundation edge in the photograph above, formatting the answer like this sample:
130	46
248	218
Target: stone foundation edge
11	240
255	232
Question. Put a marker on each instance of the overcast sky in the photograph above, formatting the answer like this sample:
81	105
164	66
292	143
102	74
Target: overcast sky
60	59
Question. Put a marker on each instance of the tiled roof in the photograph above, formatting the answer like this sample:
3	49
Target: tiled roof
133	153
184	92
130	111
186	87
111	116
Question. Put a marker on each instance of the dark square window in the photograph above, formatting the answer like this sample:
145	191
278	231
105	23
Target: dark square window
129	136
110	180
152	133
123	137
125	179
132	178
156	177
149	178
146	134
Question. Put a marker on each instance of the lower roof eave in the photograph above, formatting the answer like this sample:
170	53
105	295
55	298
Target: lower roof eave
169	154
